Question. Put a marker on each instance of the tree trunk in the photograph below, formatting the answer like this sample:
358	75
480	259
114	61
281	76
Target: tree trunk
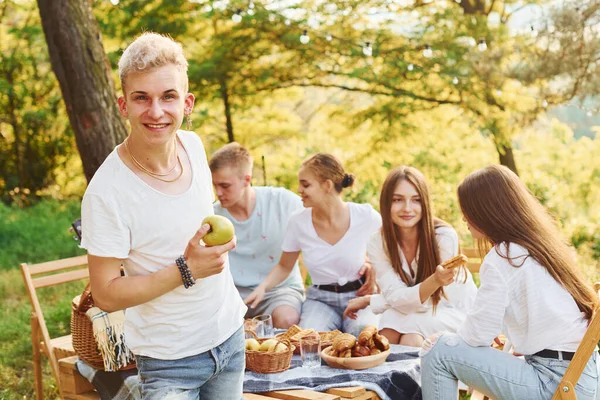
228	122
83	71
507	158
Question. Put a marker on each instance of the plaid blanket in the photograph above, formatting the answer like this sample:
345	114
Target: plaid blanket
398	378
119	385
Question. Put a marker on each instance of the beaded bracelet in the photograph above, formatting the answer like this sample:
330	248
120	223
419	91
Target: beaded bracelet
186	274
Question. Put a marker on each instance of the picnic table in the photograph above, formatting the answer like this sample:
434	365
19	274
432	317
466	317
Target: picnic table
398	378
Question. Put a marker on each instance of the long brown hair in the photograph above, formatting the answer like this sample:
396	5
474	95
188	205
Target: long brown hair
498	204
429	255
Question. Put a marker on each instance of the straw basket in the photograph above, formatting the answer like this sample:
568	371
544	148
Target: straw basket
82	332
266	362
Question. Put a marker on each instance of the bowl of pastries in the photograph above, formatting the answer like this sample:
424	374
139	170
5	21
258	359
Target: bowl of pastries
369	350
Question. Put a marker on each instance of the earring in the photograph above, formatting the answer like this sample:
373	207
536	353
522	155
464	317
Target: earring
188	122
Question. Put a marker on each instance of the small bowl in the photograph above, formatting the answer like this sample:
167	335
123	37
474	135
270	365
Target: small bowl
354	362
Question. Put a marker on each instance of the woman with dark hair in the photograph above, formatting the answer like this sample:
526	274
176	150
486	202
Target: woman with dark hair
531	290
418	296
332	235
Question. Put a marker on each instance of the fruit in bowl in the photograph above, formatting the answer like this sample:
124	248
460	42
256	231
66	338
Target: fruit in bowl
221	230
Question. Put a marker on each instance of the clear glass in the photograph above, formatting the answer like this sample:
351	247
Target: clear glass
310	350
263	325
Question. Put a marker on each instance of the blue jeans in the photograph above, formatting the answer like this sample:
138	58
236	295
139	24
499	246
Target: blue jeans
495	373
215	374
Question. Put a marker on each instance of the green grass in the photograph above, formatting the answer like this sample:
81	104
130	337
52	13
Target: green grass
37	234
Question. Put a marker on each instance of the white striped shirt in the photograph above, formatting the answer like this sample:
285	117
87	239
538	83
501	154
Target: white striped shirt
525	303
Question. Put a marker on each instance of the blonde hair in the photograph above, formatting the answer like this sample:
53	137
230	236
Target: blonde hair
232	155
498	204
328	167
151	50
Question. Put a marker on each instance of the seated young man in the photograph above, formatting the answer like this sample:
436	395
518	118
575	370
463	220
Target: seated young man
260	216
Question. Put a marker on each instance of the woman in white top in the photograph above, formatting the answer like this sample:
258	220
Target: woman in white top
418	296
531	290
332	236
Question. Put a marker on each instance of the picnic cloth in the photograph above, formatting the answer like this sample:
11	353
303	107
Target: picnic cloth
119	385
398	378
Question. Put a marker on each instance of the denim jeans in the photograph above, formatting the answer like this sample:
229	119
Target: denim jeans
215	374
495	373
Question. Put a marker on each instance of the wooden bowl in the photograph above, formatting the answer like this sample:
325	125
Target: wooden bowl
354	362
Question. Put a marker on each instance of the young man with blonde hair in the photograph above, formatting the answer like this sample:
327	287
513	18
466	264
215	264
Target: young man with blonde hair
260	216
144	210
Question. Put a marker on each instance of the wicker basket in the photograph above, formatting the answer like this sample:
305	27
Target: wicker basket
82	332
264	362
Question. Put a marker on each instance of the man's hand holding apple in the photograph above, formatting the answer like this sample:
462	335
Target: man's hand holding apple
204	261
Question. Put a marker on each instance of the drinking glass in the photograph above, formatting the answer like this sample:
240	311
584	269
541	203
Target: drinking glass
310	350
263	325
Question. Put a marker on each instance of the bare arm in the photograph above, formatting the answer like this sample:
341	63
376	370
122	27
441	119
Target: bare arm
277	275
441	277
113	292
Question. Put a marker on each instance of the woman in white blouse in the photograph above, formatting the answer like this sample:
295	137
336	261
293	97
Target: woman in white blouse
531	290
418	296
332	236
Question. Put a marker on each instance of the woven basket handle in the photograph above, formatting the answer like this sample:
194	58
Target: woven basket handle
251	332
85	300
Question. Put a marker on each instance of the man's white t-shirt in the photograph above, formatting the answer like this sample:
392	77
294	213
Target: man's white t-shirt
125	218
338	263
259	238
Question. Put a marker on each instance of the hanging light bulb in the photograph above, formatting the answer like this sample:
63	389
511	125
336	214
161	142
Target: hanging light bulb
545	103
589	113
304	38
271	17
237	17
328	37
498	92
251	4
533	31
410	67
455	80
427	52
367	49
288	22
114	2
250	11
458	1
482	45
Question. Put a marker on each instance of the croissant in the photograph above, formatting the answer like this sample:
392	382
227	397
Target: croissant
366	334
381	342
343	342
346	353
360	351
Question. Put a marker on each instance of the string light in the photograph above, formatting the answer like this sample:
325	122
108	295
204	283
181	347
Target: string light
237	17
367	50
304	38
482	45
427	52
114	2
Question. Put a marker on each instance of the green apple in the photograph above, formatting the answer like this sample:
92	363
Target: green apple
252	344
221	230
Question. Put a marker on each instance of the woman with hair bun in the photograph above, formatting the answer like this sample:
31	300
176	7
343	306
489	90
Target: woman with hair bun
332	235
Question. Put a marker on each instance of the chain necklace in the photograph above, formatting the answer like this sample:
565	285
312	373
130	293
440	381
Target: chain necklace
154	174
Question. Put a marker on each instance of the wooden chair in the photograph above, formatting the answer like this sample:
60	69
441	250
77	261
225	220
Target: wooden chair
38	276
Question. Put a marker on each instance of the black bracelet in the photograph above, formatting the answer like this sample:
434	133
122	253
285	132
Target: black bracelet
186	274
